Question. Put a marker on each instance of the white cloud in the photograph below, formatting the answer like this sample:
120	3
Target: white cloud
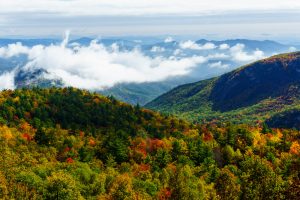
219	56
13	49
208	46
177	52
74	44
115	47
239	55
7	80
143	7
224	46
168	39
189	44
157	49
18	49
218	65
292	49
96	66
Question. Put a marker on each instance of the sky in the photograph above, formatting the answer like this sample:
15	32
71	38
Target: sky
213	19
97	66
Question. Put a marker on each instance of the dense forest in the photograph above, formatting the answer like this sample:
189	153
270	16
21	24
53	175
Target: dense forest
72	144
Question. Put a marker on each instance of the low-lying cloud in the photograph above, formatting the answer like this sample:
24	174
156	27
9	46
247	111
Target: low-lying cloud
218	64
7	80
239	55
224	46
157	49
96	66
169	39
194	46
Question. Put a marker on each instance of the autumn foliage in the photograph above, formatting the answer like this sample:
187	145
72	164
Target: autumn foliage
71	144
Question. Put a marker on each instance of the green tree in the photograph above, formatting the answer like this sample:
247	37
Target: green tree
122	188
227	185
61	186
259	181
229	154
185	185
41	137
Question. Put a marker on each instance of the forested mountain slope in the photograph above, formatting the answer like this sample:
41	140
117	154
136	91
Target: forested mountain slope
259	91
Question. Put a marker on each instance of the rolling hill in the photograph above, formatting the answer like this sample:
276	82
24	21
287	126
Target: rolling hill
267	90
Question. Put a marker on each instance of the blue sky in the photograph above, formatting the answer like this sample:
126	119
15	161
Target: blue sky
213	19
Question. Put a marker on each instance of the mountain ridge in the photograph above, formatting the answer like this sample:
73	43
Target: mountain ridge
271	84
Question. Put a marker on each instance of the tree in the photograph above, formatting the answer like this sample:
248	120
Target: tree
176	149
122	188
265	129
231	135
162	158
41	137
227	185
116	145
229	154
185	185
258	180
3	187
61	186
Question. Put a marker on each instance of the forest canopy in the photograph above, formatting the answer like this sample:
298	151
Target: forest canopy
72	144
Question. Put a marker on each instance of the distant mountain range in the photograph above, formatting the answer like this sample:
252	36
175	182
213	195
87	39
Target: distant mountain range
264	91
29	42
218	54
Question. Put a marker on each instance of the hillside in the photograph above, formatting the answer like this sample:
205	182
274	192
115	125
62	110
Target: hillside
138	93
72	144
258	91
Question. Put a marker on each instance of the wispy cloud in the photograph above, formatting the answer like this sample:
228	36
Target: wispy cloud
218	65
143	7
193	45
157	49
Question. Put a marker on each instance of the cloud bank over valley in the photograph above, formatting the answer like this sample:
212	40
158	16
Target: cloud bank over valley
96	65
